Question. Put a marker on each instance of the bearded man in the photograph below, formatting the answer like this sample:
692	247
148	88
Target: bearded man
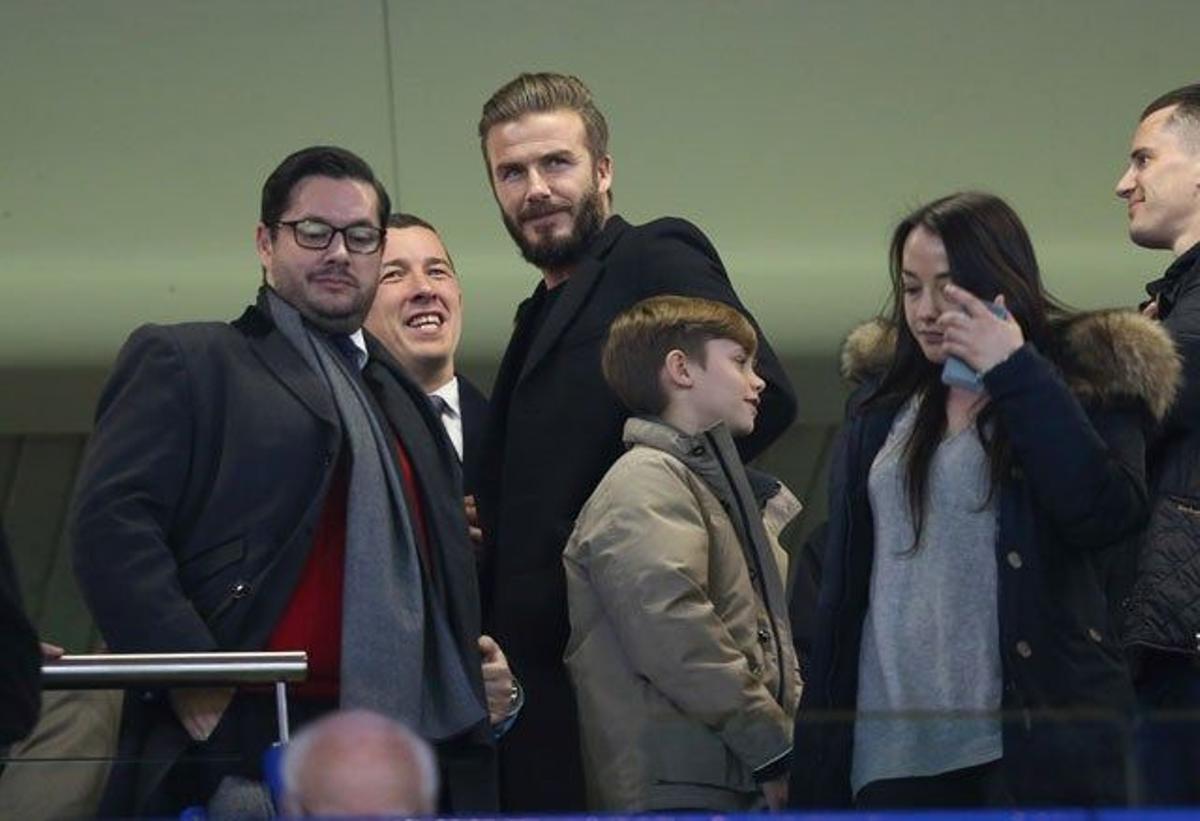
555	426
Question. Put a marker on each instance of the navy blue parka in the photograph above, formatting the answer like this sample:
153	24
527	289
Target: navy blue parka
1072	499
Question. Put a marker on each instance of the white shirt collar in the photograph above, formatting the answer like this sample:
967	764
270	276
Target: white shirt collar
452	417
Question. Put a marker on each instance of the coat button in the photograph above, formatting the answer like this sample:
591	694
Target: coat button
764	635
1094	634
240	590
1014	560
1024	650
698	450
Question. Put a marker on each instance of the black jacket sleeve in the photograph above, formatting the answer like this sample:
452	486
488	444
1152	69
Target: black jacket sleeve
127	498
802	595
20	674
1087	473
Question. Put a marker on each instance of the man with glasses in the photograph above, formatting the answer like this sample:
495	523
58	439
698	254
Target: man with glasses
278	483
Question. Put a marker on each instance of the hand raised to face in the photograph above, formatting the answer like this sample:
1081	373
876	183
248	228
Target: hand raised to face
974	334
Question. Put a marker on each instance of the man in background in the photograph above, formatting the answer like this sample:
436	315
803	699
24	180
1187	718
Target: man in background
418	316
1159	618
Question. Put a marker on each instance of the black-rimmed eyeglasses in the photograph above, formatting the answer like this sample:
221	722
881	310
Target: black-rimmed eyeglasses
317	235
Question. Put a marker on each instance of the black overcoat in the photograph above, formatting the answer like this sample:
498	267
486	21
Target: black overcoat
474	406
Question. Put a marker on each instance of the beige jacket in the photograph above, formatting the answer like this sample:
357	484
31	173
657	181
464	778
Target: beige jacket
685	683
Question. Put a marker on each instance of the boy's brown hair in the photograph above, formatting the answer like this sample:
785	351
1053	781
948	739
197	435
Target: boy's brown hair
640	338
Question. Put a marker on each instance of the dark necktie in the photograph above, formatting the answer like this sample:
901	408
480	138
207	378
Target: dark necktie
346	347
440	405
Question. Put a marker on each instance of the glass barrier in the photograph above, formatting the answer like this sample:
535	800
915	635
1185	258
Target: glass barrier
60	771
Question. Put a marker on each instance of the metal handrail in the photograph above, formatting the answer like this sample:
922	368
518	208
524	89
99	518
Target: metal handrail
111	671
116	671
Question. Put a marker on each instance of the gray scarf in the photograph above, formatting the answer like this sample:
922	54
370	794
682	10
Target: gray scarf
399	657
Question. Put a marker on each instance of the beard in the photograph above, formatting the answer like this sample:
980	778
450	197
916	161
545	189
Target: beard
554	253
345	321
344	316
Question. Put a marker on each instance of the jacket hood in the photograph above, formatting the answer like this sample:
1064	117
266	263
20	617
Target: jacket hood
1105	356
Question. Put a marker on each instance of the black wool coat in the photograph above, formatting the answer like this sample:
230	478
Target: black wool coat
474	407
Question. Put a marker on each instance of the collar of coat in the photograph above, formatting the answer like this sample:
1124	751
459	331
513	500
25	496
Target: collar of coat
1180	275
1106	356
777	503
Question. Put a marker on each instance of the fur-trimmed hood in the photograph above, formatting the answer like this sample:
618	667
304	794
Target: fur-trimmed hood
1105	355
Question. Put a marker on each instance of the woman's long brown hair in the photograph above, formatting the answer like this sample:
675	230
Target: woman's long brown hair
989	253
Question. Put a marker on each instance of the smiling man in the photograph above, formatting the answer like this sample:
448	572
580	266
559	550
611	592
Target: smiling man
279	483
418	316
1160	622
555	426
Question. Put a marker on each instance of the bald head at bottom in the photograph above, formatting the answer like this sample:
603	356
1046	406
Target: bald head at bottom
359	763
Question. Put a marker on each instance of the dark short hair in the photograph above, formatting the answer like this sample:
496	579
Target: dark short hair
1186	97
1186	114
403	220
542	92
640	338
317	161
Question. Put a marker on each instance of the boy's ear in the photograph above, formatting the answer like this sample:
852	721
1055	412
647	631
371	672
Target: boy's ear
677	369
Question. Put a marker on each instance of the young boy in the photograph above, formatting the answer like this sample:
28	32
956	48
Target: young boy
680	652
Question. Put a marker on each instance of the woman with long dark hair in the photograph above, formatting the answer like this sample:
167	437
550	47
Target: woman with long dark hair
963	654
